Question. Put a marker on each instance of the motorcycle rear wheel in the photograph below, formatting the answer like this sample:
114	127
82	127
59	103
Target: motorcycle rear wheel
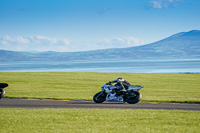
133	97
99	97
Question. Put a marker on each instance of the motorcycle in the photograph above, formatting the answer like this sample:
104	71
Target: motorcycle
112	93
2	92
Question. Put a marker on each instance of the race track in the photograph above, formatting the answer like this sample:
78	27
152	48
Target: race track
25	103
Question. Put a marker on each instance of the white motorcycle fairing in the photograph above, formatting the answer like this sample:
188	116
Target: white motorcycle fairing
111	97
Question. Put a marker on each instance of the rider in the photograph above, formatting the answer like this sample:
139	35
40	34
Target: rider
121	84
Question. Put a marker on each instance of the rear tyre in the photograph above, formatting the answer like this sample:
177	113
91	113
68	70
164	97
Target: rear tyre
2	93
133	97
99	97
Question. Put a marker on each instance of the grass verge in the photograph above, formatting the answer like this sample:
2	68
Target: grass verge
158	87
98	120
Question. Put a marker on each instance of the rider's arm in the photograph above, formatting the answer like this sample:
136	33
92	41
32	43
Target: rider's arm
122	86
114	81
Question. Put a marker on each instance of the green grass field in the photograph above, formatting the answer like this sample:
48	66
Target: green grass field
98	121
79	85
73	86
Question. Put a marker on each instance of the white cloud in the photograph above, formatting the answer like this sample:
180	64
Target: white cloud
44	43
164	3
51	40
118	42
5	43
156	4
41	37
33	43
17	39
125	42
66	41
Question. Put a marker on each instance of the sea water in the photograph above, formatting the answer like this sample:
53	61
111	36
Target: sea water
131	66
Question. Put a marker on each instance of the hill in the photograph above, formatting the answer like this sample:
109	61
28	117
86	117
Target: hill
181	45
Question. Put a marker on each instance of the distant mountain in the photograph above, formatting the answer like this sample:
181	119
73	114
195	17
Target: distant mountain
181	45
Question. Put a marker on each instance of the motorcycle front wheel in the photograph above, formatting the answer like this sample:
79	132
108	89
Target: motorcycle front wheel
133	97
99	97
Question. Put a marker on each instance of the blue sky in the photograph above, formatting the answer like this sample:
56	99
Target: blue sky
81	25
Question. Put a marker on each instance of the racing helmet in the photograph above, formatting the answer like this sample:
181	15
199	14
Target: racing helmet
120	79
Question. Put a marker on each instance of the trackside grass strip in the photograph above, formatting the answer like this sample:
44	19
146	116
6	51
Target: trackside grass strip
98	121
158	87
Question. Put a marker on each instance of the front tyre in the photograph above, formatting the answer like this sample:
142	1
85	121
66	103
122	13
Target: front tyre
133	97
99	97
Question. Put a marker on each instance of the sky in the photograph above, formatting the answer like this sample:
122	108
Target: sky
82	25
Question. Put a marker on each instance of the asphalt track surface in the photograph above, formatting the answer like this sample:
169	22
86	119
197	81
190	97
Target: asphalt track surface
25	103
